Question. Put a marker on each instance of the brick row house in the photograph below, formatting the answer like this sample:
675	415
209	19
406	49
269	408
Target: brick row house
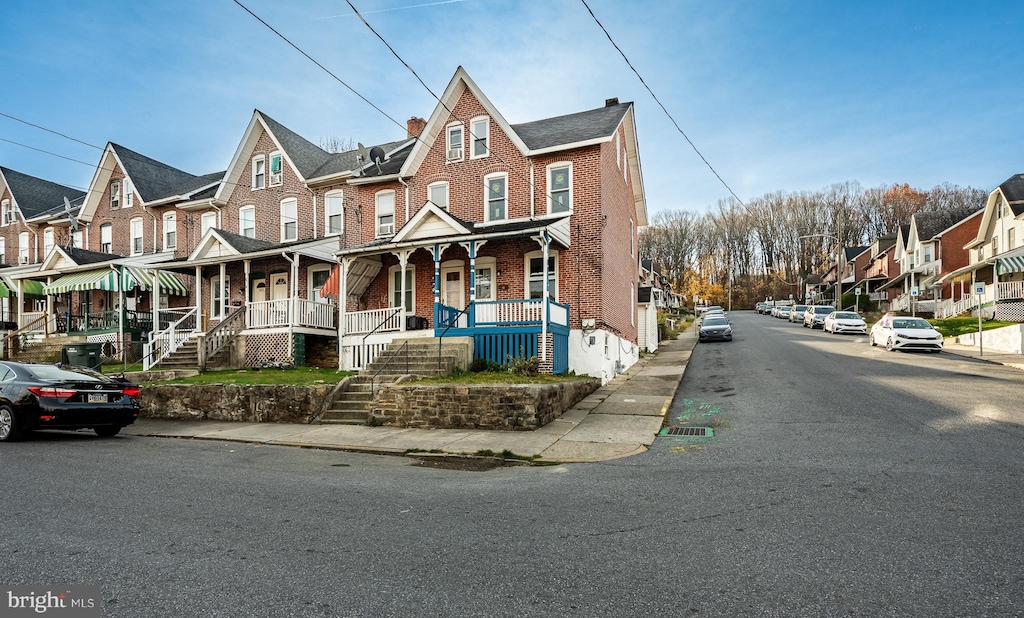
521	237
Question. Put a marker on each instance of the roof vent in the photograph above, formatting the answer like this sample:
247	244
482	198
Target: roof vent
611	101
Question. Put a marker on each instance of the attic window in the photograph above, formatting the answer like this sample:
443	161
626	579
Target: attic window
7	212
480	131
259	172
276	175
454	143
129	193
115	194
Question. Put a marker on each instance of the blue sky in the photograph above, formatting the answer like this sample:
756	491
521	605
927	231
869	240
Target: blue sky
780	95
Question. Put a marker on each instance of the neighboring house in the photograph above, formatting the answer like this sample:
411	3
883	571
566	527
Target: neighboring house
996	256
30	211
646	319
523	237
876	272
854	261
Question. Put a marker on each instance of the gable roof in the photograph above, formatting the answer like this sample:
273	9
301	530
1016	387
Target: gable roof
1013	190
595	124
35	196
851	253
306	157
348	161
153	180
933	222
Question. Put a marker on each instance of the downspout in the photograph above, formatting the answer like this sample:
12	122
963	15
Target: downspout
533	207
156	236
313	194
291	302
406	208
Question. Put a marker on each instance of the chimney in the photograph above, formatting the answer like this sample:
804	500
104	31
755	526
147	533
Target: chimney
611	101
415	126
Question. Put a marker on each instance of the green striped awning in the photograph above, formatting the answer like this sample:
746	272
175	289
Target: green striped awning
28	286
105	279
4	292
1008	265
143	278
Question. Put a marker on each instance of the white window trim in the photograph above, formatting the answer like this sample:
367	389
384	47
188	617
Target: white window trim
310	292
625	167
487	192
5	208
110	229
487	137
127	193
618	151
448	141
131	236
225	301
268	169
392	291
110	200
377	214
632	237
241	230
253	172
295	203
3	250
24	248
548	184
492	263
170	218
632	314
339	193
447	193
48	232
202	218
552	254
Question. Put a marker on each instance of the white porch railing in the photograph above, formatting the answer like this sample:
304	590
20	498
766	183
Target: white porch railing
28	317
1010	290
387	319
277	313
509	311
901	303
163	343
316	315
268	313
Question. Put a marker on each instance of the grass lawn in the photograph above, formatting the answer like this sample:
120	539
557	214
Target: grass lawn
951	327
498	377
299	375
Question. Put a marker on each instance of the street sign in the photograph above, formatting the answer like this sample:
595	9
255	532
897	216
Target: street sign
913	291
979	289
856	292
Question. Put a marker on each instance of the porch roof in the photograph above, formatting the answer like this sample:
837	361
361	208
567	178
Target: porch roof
219	247
101	279
29	287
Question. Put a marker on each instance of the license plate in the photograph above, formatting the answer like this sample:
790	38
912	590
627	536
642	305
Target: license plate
97	398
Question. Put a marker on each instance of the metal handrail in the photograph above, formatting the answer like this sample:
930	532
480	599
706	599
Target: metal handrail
451	322
382	323
405	346
223	333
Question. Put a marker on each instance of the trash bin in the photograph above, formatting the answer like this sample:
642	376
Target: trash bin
82	355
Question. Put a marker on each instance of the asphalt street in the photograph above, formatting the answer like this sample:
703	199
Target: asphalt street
841	480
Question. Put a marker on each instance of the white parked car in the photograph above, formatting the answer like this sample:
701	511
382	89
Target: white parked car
783	313
814	315
845	322
903	333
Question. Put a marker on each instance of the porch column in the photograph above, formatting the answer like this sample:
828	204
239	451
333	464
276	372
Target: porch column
120	310
403	263
246	264
294	309
471	248
912	303
437	283
21	301
49	311
220	288
154	299
199	298
545	244
344	265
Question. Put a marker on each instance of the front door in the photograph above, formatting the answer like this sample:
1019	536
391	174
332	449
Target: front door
258	291
278	286
451	288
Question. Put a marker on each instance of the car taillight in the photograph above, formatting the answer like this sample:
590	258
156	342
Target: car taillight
132	391
49	391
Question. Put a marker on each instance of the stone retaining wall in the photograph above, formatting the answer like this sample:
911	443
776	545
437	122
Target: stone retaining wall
228	402
506	406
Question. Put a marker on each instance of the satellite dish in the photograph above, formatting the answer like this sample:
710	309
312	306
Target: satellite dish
377	155
72	219
361	157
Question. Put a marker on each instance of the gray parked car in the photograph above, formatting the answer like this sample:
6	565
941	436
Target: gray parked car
814	316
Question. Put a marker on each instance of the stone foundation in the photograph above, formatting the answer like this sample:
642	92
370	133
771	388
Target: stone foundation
504	407
229	402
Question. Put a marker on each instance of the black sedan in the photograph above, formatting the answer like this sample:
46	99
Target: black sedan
712	328
63	397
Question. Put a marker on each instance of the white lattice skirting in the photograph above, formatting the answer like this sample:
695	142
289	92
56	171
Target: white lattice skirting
1011	312
111	344
267	347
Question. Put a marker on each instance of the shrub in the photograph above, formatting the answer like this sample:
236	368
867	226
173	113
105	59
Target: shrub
478	365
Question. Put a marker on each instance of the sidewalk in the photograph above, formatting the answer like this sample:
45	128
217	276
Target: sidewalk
992	356
617	420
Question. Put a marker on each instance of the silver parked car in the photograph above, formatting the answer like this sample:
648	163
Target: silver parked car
814	316
844	322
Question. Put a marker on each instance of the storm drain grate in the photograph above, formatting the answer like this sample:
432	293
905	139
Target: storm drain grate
688	431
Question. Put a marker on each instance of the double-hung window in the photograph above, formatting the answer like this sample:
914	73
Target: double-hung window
47	241
483	279
535	274
23	248
206	222
170	231
496	197
135	227
3	250
115	194
129	193
259	172
438	194
78	239
410	287
276	175
480	130
560	187
106	239
334	213
385	213
219	295
247	221
454	143
289	220
7	213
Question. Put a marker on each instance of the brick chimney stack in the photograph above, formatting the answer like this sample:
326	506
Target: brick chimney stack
415	126
611	101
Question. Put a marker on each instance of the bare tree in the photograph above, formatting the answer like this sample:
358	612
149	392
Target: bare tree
335	143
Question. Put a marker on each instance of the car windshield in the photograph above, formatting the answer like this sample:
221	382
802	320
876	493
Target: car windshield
911	323
825	310
715	321
846	315
783	309
59	374
800	307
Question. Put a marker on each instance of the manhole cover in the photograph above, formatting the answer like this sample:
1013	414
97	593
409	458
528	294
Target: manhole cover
688	431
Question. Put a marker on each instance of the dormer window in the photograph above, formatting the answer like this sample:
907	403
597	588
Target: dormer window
115	194
454	143
276	175
480	130
259	172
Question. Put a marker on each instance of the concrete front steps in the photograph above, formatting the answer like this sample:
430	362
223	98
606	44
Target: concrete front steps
187	357
351	403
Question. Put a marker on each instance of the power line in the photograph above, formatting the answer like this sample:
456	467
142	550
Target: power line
51	131
54	154
658	101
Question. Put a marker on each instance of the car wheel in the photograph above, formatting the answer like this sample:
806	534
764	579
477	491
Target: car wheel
107	432
871	339
889	344
9	429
